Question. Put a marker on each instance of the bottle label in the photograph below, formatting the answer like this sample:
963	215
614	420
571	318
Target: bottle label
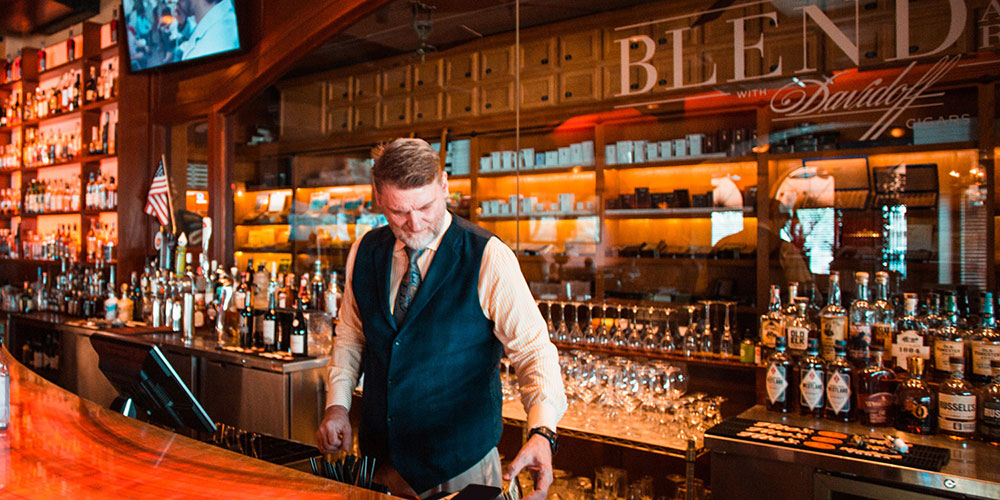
877	407
777	382
982	354
838	392
832	329
269	331
909	343
770	329
298	344
990	424
882	335
957	413
944	349
916	409
860	340
239	299
811	389
798	338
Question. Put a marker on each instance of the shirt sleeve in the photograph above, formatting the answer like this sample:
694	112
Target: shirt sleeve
343	371
507	300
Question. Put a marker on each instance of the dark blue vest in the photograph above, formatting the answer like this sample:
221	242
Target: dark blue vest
432	400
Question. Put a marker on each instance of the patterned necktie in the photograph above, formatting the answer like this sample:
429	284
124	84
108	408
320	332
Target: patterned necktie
408	286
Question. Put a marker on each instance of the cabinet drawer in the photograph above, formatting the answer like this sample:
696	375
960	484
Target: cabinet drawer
612	81
366	85
339	90
395	112
460	102
396	81
427	108
428	75
636	48
497	98
365	116
461	68
497	63
538	92
580	85
580	48
338	120
539	55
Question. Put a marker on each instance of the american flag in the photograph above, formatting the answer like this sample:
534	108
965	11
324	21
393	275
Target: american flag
157	203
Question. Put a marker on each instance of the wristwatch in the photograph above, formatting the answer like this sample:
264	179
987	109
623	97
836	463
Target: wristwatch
548	434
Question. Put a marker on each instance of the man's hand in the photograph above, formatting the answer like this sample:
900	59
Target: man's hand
334	433
536	455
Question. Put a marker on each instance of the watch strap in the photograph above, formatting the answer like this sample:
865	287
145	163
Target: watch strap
550	435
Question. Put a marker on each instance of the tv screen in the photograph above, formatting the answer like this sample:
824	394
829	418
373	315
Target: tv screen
161	32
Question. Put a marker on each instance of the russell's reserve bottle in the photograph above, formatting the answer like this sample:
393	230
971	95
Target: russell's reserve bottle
956	403
812	381
833	320
876	392
839	388
778	379
916	409
989	408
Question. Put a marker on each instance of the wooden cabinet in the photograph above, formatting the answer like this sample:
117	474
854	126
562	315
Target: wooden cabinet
538	55
580	85
461	69
366	85
396	81
395	112
428	75
497	63
580	49
338	119
460	103
497	98
427	107
365	116
538	92
338	90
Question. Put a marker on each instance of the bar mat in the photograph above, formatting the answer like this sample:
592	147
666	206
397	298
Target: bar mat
262	446
832	443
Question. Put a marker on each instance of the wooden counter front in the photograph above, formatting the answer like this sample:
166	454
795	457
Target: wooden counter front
61	446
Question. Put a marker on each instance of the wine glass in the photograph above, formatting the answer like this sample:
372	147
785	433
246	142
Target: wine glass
652	338
562	333
617	334
705	342
634	338
601	334
726	344
667	341
690	341
590	333
575	333
548	320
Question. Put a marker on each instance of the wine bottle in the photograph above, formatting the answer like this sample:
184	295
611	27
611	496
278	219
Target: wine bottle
270	320
298	339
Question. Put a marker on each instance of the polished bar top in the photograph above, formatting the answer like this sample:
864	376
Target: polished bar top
972	470
61	446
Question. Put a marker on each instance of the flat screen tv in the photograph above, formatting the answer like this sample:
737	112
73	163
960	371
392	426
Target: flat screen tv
163	32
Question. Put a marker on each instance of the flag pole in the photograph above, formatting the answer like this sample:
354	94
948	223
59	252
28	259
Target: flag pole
170	199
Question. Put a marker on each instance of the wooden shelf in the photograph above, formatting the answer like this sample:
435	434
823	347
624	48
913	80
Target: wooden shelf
686	161
36	121
522	173
681	260
93	213
872	151
46	214
672	213
705	360
13	83
261	224
68	65
79	159
90	106
282	249
502	218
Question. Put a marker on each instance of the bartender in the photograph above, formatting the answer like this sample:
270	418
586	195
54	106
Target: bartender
431	303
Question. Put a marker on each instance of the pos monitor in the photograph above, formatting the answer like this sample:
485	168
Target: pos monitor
145	379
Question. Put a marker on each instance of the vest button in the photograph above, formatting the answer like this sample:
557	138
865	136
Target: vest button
395	342
388	419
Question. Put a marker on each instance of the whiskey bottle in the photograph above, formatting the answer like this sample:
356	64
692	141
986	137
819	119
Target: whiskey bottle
839	388
932	319
793	291
298	338
910	337
70	47
779	374
989	407
861	318
916	409
332	297
316	285
799	331
246	322
833	320
985	343
884	320
950	339
270	324
812	381
876	392
772	321
956	403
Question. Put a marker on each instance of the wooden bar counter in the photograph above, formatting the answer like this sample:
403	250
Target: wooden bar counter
61	446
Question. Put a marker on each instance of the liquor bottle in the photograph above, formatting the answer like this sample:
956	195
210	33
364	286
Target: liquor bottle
779	375
916	409
950	339
839	388
177	313
931	318
125	305
260	284
156	312
989	407
70	47
111	305
772	321
246	322
90	87
332	298
303	294
812	380
226	316
909	338
833	320
114	26
298	341
885	314
956	403
42	66
187	299
137	298
270	325
790	309
242	290
799	330
182	242
861	317
284	292
876	391
985	343
211	288
4	394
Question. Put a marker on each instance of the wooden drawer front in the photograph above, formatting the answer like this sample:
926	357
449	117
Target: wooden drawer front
580	48
428	75
580	85
538	92
612	81
338	120
497	63
339	90
539	55
427	108
365	116
395	112
497	98
461	68
636	49
366	85
396	81
460	102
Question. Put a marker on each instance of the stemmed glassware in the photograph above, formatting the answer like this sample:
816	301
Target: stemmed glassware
634	338
726	345
689	334
575	333
652	338
548	320
601	334
590	333
562	333
705	341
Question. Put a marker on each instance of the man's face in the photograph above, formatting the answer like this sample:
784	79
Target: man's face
415	215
